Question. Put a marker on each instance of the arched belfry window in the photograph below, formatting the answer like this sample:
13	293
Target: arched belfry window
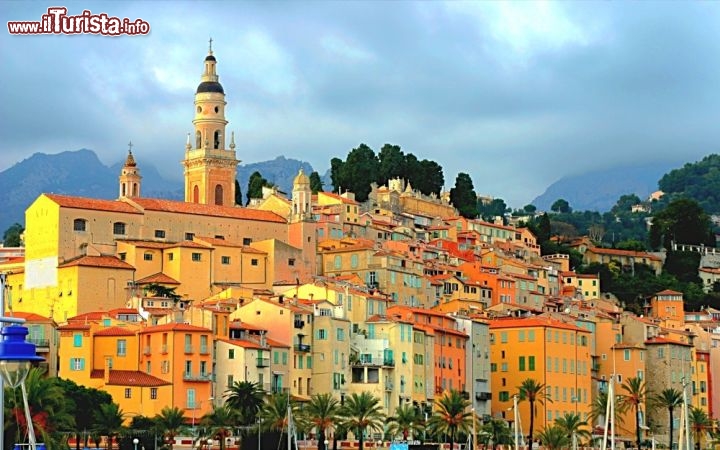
124	188
216	139
218	195
135	190
198	139
196	194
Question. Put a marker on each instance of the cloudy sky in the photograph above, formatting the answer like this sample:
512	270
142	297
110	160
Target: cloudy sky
517	94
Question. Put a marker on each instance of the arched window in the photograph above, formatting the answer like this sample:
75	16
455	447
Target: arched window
135	190
196	194
218	194
217	139
123	187
198	139
79	225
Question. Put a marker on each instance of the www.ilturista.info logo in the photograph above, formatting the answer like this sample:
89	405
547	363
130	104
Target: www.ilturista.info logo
56	21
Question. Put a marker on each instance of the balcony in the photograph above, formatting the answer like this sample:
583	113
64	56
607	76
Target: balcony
147	351
163	349
40	343
483	396
299	324
389	362
302	348
189	349
202	377
263	362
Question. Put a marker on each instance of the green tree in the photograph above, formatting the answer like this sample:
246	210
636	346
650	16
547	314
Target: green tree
336	174
496	208
362	412
530	209
391	161
246	398
159	290
497	431
11	237
316	184
463	196
430	178
218	424
322	412
634	396
274	413
80	400
572	424
561	206
238	194
109	421
682	222
625	204
255	184
554	438
699	423
699	181
407	419
683	266
669	399
169	422
534	392
360	169
451	415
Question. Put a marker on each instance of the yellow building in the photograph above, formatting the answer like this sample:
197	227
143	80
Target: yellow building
554	354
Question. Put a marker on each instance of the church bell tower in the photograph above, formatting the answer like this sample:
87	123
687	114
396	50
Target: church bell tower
210	168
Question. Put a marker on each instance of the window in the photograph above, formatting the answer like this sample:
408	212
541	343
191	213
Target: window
521	363
77	364
291	261
189	236
171	256
337	263
153	393
225	260
253	262
147	256
247	241
79	225
160	234
196	257
340	334
531	335
322	334
284	358
121	347
276	357
504	367
118	228
531	363
626	354
354	261
504	396
128	393
503	337
77	340
231	353
122	256
521	336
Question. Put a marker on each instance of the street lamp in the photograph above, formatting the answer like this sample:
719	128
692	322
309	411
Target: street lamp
210	444
327	442
258	424
136	441
16	358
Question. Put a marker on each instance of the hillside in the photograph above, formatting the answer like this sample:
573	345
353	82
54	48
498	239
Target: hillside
81	173
599	190
699	181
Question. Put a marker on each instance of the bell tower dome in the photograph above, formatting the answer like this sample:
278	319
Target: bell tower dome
210	167
130	176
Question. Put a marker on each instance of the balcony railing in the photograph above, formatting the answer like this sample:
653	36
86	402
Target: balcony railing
483	396
189	349
147	351
299	324
389	362
190	376
204	350
40	342
263	362
304	348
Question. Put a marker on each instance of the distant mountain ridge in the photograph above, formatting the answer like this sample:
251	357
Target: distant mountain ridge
599	190
81	173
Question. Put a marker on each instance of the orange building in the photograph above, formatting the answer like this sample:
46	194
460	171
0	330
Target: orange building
554	354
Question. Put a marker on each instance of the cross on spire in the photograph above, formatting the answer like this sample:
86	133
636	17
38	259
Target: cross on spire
211	39
130	146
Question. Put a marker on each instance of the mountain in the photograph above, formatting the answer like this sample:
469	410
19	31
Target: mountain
599	190
82	174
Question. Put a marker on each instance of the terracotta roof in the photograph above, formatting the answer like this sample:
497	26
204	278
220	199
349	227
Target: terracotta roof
172	206
616	252
157	278
242	343
129	378
67	201
215	242
173	327
661	340
141	243
97	261
74	326
115	331
528	322
238	325
339	197
669	292
29	317
274	343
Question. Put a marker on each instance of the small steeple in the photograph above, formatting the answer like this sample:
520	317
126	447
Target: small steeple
232	140
130	161
130	176
188	145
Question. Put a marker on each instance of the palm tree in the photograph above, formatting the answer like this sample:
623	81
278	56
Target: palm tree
699	421
274	414
245	397
669	399
498	431
169	422
109	420
634	396
218	423
362	412
572	424
407	419
534	392
554	437
452	414
49	410
322	412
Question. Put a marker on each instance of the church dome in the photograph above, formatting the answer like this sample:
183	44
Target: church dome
130	161
210	86
301	179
